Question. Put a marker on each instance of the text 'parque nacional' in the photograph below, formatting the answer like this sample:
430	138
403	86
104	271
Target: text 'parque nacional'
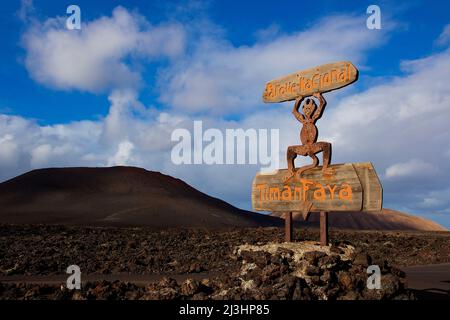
322	79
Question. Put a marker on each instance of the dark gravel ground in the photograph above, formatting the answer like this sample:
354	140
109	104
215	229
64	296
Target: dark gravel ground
48	250
270	279
43	250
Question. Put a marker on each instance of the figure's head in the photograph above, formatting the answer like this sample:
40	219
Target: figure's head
309	107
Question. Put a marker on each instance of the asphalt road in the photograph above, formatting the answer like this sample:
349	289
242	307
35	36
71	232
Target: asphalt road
429	281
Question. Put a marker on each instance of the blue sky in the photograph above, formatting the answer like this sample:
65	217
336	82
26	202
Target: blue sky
66	100
419	24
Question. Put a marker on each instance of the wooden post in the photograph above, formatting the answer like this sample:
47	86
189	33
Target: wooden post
323	228
288	226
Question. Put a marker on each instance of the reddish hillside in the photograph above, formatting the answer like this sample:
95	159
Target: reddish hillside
116	196
134	196
386	219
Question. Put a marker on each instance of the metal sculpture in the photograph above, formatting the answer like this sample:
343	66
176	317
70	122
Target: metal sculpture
308	136
340	187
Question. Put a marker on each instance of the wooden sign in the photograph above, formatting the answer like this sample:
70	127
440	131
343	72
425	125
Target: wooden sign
351	187
321	79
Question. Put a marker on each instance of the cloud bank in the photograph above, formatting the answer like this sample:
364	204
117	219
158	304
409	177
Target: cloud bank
100	56
221	79
400	124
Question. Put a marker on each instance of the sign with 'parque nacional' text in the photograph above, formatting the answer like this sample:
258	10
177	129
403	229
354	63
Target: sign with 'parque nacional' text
321	79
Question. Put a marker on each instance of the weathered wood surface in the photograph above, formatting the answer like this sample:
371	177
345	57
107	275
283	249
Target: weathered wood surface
322	79
352	187
373	191
288	229
324	238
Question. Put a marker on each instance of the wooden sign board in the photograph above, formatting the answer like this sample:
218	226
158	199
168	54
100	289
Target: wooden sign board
322	79
352	187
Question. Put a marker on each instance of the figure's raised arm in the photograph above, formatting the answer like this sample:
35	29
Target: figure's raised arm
322	104
297	114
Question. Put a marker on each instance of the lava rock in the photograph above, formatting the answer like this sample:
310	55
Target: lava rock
312	257
190	287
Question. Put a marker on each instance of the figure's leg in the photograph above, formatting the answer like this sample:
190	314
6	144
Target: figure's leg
310	166
325	147
292	153
290	157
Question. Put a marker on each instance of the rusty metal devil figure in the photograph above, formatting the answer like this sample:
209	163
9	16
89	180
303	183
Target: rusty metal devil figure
308	136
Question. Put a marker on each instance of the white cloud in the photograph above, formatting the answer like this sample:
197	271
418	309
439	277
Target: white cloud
9	151
40	155
437	199
123	155
444	37
413	167
26	10
129	135
400	124
93	59
219	78
268	34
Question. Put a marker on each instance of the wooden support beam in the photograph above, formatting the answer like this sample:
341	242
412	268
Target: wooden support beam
324	228
288	226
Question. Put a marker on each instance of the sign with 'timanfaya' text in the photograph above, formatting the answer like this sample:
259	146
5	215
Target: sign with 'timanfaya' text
351	187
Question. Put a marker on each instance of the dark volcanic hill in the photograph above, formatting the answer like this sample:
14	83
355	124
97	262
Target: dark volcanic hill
129	196
385	219
116	196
